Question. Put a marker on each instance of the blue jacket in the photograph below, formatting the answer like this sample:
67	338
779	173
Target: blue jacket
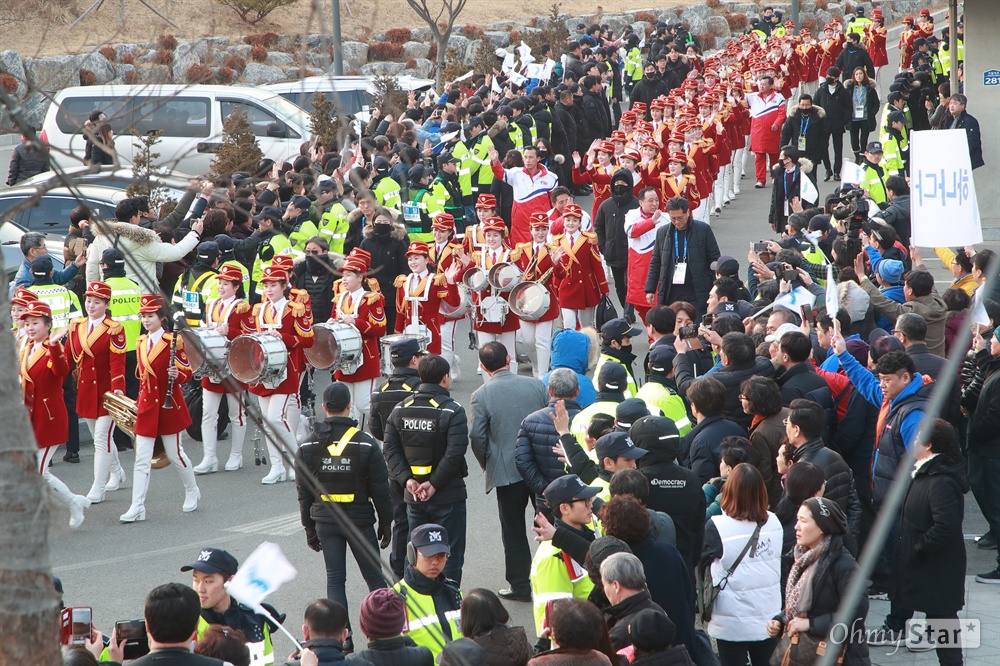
533	453
831	364
24	278
570	349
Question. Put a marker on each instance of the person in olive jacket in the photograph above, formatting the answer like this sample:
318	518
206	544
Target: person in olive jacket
609	223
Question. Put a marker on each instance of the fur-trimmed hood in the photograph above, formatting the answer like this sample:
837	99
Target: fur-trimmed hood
126	230
499	126
794	110
806	164
398	228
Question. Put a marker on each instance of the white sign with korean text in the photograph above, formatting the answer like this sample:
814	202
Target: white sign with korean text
943	206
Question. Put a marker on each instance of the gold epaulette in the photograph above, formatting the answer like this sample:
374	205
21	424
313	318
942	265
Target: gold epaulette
242	307
399	281
372	297
301	295
516	253
298	309
373	285
114	326
591	236
256	310
440	279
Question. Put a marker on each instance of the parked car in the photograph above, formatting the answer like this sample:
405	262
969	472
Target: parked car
50	214
189	117
10	243
351	94
174	183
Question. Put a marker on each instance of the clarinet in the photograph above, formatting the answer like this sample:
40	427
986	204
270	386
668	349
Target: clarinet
169	402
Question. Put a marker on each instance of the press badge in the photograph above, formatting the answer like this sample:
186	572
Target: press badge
411	212
192	303
802	141
680	273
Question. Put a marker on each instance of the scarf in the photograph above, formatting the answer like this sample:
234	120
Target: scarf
798	590
757	418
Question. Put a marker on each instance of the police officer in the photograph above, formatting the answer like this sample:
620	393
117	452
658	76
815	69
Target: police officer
211	571
65	308
333	220
660	389
433	601
351	473
198	284
272	243
616	347
227	257
124	308
612	380
404	355
426	437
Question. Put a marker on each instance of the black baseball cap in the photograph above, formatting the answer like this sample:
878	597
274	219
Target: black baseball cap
41	265
430	539
301	202
336	396
726	265
566	489
874	147
619	328
446	157
612	377
655	432
661	358
214	560
269	213
112	256
617	445
208	250
628	412
404	349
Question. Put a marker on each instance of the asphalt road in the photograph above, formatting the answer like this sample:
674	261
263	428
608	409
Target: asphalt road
111	566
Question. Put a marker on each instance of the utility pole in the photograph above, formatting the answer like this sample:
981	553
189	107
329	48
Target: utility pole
338	44
953	45
795	16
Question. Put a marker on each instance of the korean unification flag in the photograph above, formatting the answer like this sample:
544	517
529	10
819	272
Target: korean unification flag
796	299
832	296
807	191
262	573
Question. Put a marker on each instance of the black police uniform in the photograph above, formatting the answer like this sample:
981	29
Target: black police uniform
351	472
426	438
384	399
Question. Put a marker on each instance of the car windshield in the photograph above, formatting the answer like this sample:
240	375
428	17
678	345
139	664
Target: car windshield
286	109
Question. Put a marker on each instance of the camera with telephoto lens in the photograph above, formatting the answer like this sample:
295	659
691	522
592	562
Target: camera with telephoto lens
855	213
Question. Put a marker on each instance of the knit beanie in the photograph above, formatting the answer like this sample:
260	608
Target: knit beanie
382	614
828	515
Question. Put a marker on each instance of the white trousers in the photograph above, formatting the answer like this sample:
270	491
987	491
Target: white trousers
537	335
144	456
281	418
448	344
361	400
106	460
507	340
703	212
577	319
210	403
62	491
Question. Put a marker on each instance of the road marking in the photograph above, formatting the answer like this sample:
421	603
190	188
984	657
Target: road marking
284	525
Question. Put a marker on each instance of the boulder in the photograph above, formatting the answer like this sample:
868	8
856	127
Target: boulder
668	17
155	74
700	11
458	42
470	52
416	49
318	42
639	27
696	25
718	26
383	68
217	42
421	34
53	73
241	50
503	26
320	60
290	42
837	9
424	69
35	106
10	62
751	9
99	65
617	22
280	59
354	54
122	70
822	18
258	74
498	40
122	49
188	53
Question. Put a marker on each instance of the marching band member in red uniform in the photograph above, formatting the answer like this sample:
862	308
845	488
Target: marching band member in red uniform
279	405
875	36
96	343
230	315
419	294
677	181
154	419
906	48
43	370
640	227
702	153
598	171
365	311
475	235
18	305
495	252
809	61
829	48
444	252
581	290
538	260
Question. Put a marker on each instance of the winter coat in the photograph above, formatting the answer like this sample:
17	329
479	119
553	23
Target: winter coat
836	104
839	479
535	460
318	285
670	587
505	646
595	106
933	366
702	250
783	191
731	376
852	57
673	656
571	349
675	491
646	91
984	423
330	653
766	438
621	614
834	570
610	223
897	215
930	545
814	126
397	651
872	104
388	255
564	116
565	657
26	161
799	381
142	249
701	447
930	307
972	134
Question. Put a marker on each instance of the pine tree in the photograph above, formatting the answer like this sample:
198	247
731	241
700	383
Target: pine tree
144	173
324	122
239	150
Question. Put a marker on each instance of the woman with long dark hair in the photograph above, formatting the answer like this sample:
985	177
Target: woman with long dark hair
487	622
581	633
760	397
864	110
103	151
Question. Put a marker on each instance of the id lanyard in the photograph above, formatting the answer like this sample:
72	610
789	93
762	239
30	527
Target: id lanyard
680	268
803	128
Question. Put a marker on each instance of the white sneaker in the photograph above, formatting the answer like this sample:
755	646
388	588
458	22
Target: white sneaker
191	498
277	474
76	508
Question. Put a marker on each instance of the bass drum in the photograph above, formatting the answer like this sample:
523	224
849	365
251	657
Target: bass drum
530	300
463	308
493	309
258	358
336	344
385	344
504	276
207	349
476	280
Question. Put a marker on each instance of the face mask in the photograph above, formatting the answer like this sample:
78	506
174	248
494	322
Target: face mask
806	112
620	188
543	154
315	263
382	229
651	76
830	80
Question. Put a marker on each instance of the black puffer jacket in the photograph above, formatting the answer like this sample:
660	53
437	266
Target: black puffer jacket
675	491
838	475
534	458
609	224
674	656
984	424
315	276
26	161
505	646
731	377
330	653
930	546
388	255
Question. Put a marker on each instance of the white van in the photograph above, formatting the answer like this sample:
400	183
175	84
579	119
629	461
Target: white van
351	94
190	118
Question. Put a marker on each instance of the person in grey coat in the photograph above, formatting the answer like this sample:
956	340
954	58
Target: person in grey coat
498	408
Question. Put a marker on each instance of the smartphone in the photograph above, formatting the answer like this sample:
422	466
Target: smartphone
810	316
707	320
686	332
760	247
76	624
779	272
133	632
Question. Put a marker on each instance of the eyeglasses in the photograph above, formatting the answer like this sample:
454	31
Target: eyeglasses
588	500
314	252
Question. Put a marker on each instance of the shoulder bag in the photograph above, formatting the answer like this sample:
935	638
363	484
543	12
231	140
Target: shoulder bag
709	592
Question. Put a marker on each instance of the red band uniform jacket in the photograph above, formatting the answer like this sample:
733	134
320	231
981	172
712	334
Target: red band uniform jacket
237	314
153	419
369	319
535	265
100	363
294	322
585	281
430	290
43	370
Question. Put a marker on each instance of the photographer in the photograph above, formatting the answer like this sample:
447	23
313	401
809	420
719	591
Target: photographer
897	214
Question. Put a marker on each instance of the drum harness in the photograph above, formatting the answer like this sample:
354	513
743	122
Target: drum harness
478	310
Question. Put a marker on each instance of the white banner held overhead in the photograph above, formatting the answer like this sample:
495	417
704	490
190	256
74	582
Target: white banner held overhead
943	206
851	173
832	296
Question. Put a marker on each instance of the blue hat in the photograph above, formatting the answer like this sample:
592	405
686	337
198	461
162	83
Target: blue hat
661	359
269	213
617	445
890	270
612	377
619	328
628	412
214	560
430	539
404	349
566	489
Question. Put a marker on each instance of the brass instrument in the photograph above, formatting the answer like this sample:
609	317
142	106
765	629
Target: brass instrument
123	411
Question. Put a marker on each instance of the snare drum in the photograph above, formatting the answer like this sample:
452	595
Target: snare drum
386	342
504	276
258	358
476	280
207	350
530	300
493	310
451	312
336	344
